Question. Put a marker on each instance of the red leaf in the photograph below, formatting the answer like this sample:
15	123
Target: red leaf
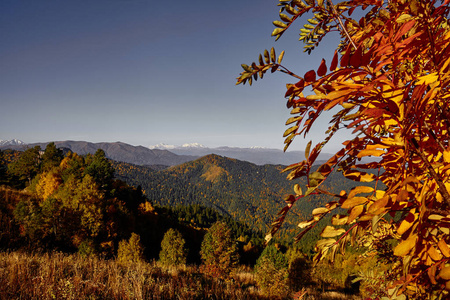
345	59
322	68
355	59
334	62
310	76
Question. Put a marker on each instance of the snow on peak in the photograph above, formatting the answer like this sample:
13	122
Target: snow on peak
162	146
12	142
193	145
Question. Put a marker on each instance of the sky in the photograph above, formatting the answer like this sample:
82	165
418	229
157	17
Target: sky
146	72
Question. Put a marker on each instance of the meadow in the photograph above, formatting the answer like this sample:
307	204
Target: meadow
72	276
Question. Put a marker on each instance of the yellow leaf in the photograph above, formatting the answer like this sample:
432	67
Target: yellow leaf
405	246
403	18
320	210
305	223
359	190
408	222
367	177
446	156
356	212
427	79
444	248
434	254
369	152
330	231
445	273
377	205
339	220
351	202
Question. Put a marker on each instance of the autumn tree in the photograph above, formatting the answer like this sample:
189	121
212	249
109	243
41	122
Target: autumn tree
218	250
173	250
131	250
388	84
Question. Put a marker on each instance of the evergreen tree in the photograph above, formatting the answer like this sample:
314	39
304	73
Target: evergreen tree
26	167
219	251
52	157
100	169
173	251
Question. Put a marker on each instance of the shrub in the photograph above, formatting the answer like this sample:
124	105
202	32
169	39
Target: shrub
173	251
131	250
271	272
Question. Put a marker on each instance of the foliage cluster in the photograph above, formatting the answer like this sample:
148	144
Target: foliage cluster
271	272
130	251
388	82
173	251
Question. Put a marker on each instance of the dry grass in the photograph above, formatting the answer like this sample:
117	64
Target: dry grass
62	276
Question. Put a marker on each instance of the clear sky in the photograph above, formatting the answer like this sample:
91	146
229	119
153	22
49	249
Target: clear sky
144	72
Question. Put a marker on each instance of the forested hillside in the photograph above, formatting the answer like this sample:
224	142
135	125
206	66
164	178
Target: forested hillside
49	201
247	192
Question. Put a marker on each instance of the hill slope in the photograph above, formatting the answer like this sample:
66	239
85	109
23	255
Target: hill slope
249	193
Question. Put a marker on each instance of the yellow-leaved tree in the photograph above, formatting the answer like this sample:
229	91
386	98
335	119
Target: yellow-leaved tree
389	84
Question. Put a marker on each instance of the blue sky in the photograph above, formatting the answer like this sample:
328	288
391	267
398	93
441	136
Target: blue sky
145	72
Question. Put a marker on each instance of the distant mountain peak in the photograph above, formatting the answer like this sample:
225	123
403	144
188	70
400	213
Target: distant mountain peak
163	146
192	145
13	142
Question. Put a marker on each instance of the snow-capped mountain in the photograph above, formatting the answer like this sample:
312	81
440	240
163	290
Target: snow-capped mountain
192	145
13	142
163	146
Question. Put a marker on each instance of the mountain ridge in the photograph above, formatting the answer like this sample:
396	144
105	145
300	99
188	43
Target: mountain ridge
171	155
118	151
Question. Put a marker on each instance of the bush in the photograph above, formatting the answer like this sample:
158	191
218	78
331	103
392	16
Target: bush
173	251
219	251
271	272
299	269
131	250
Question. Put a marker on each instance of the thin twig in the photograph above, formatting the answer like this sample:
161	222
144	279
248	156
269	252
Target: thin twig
341	23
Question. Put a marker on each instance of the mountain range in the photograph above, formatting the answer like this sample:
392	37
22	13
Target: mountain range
169	155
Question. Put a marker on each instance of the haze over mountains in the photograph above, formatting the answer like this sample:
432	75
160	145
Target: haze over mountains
169	155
